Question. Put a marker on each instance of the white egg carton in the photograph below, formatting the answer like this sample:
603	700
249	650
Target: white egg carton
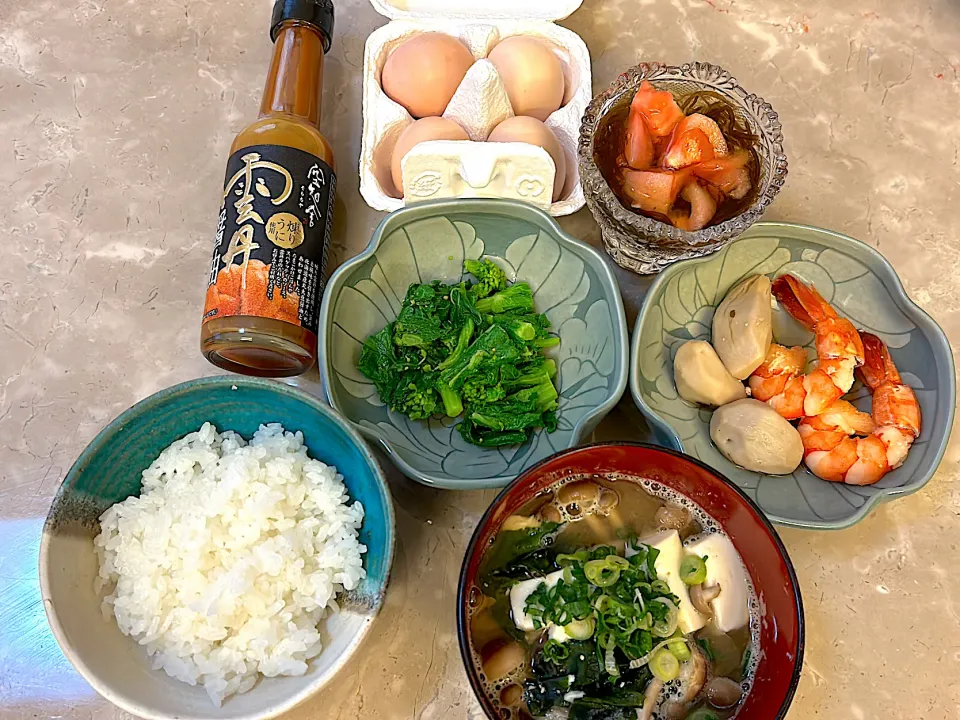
480	103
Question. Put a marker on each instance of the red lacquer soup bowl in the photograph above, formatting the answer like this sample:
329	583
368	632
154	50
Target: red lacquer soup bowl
763	553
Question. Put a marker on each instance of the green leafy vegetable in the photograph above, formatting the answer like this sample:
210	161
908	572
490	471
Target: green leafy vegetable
622	598
490	278
516	298
517	555
468	349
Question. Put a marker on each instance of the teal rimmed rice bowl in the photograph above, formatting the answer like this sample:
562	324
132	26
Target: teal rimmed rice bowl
571	282
109	470
860	283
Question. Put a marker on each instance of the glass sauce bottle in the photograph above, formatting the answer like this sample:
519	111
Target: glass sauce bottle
266	276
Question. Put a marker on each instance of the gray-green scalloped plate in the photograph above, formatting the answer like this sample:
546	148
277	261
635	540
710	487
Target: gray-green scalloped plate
571	282
863	286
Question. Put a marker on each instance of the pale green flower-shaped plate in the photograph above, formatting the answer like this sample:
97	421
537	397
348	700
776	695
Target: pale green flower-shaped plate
862	285
571	283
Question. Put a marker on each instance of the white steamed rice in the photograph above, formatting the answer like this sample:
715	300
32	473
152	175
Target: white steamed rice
230	556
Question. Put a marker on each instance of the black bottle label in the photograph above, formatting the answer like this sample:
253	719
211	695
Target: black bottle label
273	236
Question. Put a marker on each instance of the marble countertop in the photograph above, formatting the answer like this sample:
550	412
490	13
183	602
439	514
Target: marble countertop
115	121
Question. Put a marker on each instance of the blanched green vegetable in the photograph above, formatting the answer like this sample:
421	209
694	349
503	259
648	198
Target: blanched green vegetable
516	298
490	278
472	350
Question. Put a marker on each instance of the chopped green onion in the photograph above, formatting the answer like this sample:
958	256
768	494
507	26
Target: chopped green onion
693	570
563	560
606	640
555	652
602	603
581	629
601	572
664	665
680	650
621	562
666	627
659	587
610	664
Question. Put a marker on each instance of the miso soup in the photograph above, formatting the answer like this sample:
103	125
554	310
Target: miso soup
613	598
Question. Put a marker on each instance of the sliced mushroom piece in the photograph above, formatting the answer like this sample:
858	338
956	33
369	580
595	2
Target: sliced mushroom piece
671	517
583	493
549	513
701	597
511	695
674	710
609	499
723	693
650	698
503	660
693	676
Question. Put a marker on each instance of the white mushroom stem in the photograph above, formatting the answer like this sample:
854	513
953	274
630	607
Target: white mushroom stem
701	597
650	699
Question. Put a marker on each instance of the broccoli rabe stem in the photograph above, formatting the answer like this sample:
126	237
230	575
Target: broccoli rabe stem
452	405
516	298
544	395
548	342
466	332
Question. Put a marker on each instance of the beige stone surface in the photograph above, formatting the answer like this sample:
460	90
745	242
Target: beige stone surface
115	120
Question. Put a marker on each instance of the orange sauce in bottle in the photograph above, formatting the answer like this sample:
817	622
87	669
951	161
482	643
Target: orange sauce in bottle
266	277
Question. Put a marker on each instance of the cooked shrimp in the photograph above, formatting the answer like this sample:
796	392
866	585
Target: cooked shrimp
727	172
781	364
896	411
838	344
830	449
703	206
779	383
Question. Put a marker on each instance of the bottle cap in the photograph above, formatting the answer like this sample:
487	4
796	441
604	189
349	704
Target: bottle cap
318	13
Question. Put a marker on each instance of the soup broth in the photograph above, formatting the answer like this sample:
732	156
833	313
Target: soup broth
580	611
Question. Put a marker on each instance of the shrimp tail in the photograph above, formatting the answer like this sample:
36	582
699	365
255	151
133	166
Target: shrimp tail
878	366
894	403
802	301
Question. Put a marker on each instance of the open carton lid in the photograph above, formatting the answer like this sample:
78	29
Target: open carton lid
466	10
